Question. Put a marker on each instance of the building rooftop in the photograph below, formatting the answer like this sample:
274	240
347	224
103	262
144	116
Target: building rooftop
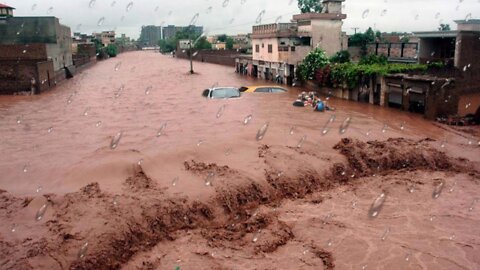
5	6
473	21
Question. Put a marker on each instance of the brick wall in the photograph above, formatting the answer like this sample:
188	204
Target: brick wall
220	57
27	52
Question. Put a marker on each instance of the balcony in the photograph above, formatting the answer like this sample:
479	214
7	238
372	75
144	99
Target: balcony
274	30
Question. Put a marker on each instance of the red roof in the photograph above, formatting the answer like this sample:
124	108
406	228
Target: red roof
5	6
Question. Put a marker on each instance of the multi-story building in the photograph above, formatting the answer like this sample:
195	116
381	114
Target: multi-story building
33	49
170	30
105	37
242	41
150	36
278	48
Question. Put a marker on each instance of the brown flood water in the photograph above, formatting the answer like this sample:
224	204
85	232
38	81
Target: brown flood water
60	141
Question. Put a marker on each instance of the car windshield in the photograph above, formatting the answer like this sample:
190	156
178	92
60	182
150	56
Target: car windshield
225	93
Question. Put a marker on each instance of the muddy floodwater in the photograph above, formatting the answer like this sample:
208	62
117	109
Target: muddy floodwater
127	166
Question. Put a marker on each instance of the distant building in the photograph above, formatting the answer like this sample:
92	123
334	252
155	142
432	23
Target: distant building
105	37
242	41
278	48
170	30
219	45
6	11
150	36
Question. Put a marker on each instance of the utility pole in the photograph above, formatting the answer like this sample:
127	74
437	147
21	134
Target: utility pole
190	53
355	29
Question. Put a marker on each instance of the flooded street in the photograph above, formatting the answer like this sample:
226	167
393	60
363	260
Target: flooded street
198	163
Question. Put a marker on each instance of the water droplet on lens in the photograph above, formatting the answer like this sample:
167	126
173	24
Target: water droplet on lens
330	242
24	51
101	21
91	4
140	162
278	19
472	205
25	168
209	179
87	110
243	2
260	17
247	119
49	10
262	131
41	212
98	124
175	181
116	140
302	140
468	17
365	13
452	237
228	152
200	142
383	12
385	234
113	3
377	206
411	188
19	120
50	129
83	251
147	91
194	19
345	125
129	6
438	189
437	15
115	200
34	6
407	257
432	218
209	9
225	3
452	188
385	128
117	66
39	189
162	129
13	228
221	110
292	130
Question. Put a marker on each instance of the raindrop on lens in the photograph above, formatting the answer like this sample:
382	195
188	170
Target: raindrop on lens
98	124
50	129
262	131
385	128
345	125
129	6
260	17
472	205
209	179
225	3
200	142
468	17
147	91
209	9
34	6
385	234
221	110
278	19
49	10
247	119
438	189
383	12
162	129
302	140
452	188
243	2
377	206
174	181
101	21
117	66
13	228
41	212
91	4
194	19
83	251
292	130
25	168
116	140
113	3
87	110
365	13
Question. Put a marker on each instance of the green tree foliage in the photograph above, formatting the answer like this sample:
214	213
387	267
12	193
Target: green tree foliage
373	59
444	27
203	44
230	43
169	45
112	50
307	6
340	57
315	60
222	38
362	39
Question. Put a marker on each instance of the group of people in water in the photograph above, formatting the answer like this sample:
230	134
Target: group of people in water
312	100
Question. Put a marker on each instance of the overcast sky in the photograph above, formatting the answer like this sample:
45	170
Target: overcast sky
237	16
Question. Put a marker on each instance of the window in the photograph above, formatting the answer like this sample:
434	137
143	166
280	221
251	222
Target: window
270	48
262	90
283	49
257	48
292	49
278	90
263	45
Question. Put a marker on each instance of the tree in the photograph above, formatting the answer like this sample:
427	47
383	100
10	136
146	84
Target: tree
203	44
230	43
362	39
307	6
314	61
167	45
112	50
341	57
444	27
222	38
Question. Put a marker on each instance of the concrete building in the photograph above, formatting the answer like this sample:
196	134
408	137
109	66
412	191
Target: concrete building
35	49
170	30
150	36
242	42
6	11
105	37
278	48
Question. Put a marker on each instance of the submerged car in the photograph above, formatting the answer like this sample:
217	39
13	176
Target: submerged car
221	92
263	89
